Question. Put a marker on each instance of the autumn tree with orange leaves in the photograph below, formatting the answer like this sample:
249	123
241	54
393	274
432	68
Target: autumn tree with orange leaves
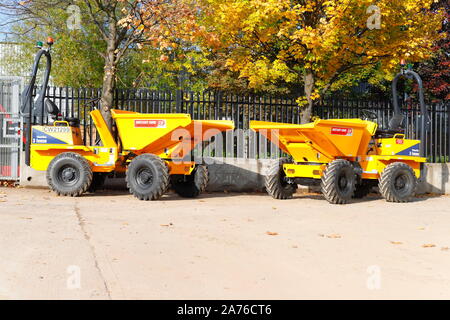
316	43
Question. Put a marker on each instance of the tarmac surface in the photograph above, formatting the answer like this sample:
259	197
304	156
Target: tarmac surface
110	245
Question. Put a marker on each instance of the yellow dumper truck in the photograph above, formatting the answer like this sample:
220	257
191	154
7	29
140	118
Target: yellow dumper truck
347	157
151	149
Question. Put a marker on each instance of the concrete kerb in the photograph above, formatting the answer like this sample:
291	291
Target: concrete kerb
436	179
237	175
30	177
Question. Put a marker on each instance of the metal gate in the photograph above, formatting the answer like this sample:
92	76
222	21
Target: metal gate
10	128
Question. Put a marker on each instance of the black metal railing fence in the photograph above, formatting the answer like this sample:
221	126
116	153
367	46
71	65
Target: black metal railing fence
216	105
437	139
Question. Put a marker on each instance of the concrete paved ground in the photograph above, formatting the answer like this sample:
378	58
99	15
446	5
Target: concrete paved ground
220	246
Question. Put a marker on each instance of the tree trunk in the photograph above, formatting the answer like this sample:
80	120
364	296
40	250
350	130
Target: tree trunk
309	88
109	76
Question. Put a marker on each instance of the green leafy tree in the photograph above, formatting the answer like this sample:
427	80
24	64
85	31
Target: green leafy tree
93	32
76	60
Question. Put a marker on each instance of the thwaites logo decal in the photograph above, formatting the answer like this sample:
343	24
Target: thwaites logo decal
150	124
40	137
342	131
56	129
413	151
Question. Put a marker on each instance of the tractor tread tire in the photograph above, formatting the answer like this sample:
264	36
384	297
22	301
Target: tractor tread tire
329	183
386	187
160	174
273	183
85	174
196	183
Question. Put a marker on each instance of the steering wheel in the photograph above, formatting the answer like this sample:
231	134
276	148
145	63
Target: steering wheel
369	115
93	103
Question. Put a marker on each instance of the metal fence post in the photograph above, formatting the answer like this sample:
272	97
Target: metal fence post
179	101
218	105
448	134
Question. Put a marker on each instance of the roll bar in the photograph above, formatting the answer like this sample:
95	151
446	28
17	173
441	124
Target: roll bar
28	105
423	108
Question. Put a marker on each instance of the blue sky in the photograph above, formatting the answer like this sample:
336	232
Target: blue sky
3	19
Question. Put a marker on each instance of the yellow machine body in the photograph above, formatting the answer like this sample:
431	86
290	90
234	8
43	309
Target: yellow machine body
169	136
49	141
314	145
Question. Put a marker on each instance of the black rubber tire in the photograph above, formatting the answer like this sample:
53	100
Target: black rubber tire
398	182
362	190
338	182
275	182
98	181
193	185
147	177
69	174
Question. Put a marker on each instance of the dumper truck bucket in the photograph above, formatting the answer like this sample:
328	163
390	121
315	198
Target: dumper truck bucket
330	138
166	135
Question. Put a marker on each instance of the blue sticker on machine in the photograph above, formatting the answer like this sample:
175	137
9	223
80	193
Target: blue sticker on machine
40	137
411	151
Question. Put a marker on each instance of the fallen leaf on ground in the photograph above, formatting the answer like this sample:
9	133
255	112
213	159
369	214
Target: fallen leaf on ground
201	201
331	236
334	236
445	248
421	228
396	242
428	245
295	247
8	184
167	225
271	233
274	208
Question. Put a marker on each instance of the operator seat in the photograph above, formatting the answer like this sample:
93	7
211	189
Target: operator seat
55	113
395	127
